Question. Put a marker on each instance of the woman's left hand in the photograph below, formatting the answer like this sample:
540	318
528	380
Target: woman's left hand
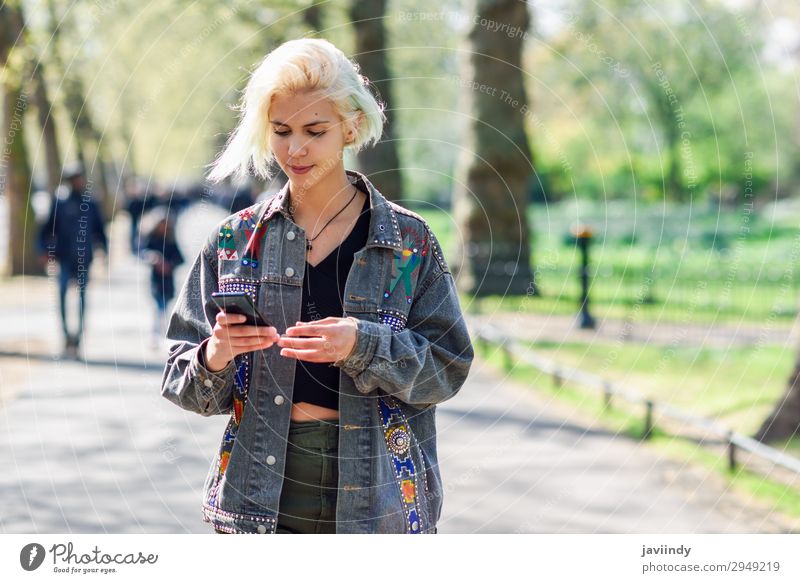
326	340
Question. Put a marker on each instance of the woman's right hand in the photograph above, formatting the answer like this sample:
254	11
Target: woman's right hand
230	338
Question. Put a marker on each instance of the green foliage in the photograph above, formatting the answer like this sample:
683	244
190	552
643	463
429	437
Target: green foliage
637	91
161	80
737	386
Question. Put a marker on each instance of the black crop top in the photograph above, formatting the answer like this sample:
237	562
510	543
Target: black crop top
323	291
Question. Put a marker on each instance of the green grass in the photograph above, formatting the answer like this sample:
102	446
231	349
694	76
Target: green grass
696	382
736	386
693	263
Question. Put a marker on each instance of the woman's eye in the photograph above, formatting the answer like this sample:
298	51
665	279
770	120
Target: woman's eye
286	133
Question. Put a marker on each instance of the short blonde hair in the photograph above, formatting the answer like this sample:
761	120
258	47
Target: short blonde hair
301	65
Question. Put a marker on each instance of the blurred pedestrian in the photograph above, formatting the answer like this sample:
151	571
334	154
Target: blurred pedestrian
74	227
161	251
137	203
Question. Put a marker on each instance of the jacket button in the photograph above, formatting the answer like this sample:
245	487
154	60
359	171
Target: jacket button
278	399
271	460
261	529
209	383
290	235
289	272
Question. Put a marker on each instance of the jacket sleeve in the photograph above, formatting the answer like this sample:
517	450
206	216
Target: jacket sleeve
424	364
186	381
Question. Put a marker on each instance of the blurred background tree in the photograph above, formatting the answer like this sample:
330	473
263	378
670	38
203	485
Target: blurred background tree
379	163
15	173
491	192
660	100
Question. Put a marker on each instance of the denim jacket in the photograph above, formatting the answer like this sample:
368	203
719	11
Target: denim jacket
412	351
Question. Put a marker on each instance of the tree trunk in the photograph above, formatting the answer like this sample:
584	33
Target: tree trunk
22	256
44	110
380	163
312	16
78	109
15	175
491	193
784	421
126	135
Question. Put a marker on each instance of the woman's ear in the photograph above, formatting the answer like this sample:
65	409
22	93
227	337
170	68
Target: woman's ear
354	127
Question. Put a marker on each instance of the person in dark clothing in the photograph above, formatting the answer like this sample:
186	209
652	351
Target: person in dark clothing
138	202
70	233
161	251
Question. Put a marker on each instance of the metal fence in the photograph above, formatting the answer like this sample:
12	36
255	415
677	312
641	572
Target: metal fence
650	408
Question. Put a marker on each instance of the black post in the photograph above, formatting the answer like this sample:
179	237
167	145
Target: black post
607	395
648	420
731	453
583	236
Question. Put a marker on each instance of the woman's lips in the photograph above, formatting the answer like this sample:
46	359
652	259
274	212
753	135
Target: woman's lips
300	169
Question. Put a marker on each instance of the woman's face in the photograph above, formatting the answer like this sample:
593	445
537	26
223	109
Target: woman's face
307	137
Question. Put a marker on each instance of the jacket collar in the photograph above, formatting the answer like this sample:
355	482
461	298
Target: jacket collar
384	230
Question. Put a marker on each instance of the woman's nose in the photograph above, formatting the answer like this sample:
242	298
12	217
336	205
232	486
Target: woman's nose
297	147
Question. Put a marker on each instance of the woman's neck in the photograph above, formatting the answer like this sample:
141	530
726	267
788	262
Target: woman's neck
323	199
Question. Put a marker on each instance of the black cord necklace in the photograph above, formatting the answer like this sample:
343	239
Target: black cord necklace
308	241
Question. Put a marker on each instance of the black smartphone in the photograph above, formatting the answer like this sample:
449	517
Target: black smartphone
237	303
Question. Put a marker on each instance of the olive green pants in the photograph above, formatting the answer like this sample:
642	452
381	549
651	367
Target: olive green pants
311	479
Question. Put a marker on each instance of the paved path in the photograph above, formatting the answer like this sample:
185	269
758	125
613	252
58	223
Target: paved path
513	461
93	447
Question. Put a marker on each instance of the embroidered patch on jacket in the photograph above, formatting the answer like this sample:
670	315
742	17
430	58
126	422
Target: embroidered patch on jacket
226	243
406	263
254	234
394	319
398	443
241	386
233	284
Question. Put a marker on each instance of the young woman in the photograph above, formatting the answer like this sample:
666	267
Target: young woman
332	406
